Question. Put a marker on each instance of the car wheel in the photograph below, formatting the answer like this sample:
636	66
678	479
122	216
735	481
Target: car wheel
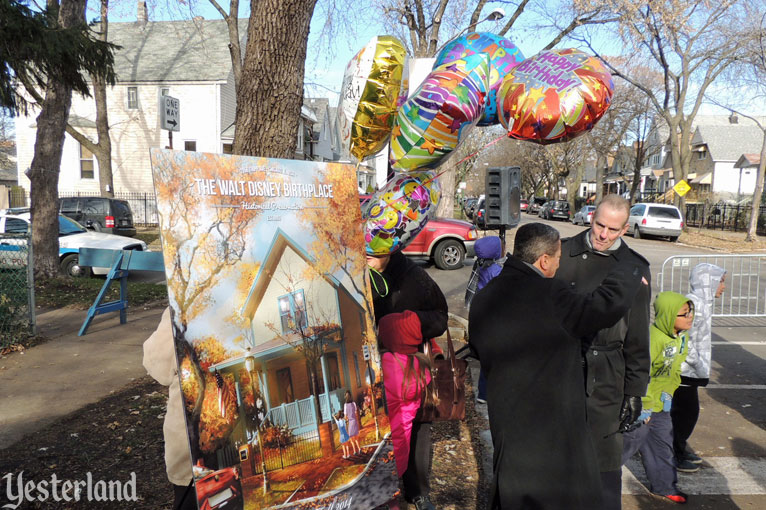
673	239
636	232
70	266
449	254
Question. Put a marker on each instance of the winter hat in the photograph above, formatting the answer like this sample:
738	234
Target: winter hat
489	247
400	332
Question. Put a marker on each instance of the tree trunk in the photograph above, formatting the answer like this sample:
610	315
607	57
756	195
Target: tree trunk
270	93
49	144
103	150
600	164
756	205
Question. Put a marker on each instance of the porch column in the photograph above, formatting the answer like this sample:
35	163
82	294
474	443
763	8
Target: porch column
323	361
264	380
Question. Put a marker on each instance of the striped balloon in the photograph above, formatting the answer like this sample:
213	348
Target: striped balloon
446	106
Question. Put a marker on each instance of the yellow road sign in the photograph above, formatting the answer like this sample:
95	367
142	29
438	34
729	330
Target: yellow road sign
682	188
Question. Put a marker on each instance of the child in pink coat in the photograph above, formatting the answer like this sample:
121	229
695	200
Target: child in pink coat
404	378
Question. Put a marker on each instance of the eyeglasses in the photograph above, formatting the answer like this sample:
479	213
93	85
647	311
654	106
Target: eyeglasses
688	314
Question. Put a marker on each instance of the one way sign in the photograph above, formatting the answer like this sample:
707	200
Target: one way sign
170	113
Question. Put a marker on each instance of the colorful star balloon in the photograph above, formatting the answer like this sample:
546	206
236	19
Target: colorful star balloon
503	56
440	113
554	96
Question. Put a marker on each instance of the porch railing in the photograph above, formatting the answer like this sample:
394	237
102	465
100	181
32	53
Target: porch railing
300	415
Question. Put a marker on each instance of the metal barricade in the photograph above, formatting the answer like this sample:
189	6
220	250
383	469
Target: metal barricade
17	294
745	294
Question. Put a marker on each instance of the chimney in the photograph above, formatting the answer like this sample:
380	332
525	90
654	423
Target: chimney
733	119
142	15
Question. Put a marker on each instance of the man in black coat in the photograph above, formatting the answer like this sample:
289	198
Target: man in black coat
398	284
525	327
617	361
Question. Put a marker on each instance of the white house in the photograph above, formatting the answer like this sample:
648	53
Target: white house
188	60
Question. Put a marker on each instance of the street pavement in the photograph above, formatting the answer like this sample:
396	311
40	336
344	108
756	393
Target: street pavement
51	380
731	432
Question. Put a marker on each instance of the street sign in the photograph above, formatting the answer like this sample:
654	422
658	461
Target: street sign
682	188
366	352
170	113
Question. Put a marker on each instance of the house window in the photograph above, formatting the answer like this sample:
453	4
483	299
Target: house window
292	311
164	92
701	155
190	145
228	148
132	98
86	163
300	136
285	386
356	369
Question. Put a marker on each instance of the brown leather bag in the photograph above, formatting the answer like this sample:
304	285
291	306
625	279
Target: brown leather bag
444	397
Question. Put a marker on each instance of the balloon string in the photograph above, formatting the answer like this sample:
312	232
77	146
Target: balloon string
478	151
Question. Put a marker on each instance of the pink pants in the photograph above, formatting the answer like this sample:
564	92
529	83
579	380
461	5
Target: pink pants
402	405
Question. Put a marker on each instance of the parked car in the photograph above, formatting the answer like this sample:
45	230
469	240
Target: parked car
102	214
469	206
218	489
72	237
445	241
555	209
479	215
584	216
523	205
655	219
536	204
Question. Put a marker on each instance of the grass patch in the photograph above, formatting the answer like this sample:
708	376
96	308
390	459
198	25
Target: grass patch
147	236
81	292
341	477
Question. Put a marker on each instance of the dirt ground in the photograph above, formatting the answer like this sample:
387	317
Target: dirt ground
122	434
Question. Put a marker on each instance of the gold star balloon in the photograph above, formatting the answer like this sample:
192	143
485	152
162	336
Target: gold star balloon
374	86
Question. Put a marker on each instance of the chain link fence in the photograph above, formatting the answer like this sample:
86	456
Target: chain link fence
17	299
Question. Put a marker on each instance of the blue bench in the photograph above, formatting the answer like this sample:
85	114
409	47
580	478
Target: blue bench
120	263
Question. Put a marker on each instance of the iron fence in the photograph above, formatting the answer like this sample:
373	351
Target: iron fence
745	294
295	449
724	217
143	205
17	293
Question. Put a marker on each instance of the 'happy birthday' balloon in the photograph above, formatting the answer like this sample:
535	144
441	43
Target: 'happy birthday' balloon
554	96
503	56
374	86
396	213
432	122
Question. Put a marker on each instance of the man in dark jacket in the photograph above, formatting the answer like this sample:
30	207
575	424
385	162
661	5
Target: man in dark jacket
398	285
525	327
617	361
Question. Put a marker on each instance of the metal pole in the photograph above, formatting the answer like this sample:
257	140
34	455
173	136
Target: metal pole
31	286
170	140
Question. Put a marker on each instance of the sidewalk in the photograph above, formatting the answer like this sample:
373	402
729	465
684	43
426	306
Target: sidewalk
68	372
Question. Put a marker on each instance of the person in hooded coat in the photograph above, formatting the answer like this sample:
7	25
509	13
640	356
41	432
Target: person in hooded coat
674	314
707	282
525	327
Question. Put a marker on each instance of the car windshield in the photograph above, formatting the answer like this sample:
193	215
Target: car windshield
68	226
664	212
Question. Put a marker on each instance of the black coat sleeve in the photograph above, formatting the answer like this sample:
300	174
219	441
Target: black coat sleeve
432	309
635	347
584	315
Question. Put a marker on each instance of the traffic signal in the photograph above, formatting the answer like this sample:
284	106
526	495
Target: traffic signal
502	196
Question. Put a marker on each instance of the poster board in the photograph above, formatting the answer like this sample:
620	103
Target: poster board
272	319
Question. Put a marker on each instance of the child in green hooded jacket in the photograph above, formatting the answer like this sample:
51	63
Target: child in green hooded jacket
674	315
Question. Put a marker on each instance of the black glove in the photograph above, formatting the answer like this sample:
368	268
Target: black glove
629	412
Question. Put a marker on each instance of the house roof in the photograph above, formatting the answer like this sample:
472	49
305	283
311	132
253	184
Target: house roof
319	105
748	160
186	50
730	142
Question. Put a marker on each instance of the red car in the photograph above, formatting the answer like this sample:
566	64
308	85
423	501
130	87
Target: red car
446	241
218	489
523	205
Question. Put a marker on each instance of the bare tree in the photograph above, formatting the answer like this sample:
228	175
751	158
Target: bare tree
690	44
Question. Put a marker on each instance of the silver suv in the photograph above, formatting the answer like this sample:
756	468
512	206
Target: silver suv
655	219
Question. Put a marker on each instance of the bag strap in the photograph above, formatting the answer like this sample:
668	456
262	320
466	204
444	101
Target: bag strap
453	366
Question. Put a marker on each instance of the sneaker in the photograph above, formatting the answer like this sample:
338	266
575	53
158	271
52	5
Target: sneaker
688	456
481	401
423	503
679	497
686	466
